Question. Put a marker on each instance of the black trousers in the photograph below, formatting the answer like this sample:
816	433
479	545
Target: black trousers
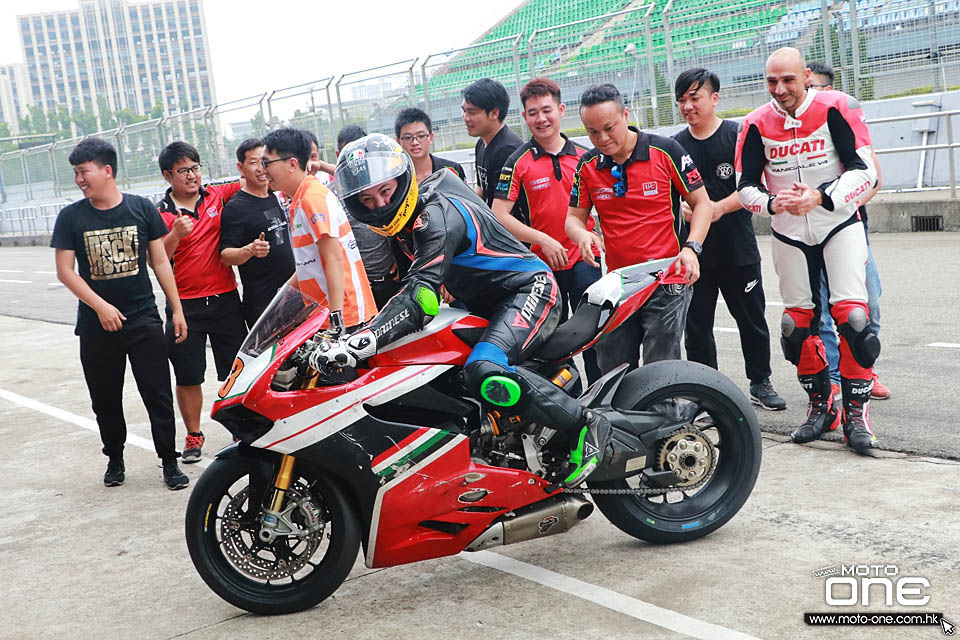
103	356
742	289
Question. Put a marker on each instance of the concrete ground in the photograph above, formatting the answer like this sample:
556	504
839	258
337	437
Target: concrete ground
83	561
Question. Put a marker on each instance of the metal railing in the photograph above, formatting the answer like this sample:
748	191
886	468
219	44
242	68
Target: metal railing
924	148
878	48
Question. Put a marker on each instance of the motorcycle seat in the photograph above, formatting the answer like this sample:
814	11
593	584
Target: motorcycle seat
577	331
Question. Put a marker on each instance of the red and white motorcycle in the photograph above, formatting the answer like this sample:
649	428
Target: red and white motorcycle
398	458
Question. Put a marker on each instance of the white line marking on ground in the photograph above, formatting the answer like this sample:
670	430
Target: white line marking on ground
17	281
612	600
10	271
55	284
944	345
725	330
47	273
80	421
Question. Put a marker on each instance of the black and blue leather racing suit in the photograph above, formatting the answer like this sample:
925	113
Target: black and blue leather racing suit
455	241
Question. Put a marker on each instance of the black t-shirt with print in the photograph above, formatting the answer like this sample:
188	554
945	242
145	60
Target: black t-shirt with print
490	159
111	252
245	217
731	241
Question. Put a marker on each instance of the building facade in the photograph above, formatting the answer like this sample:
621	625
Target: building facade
14	95
134	55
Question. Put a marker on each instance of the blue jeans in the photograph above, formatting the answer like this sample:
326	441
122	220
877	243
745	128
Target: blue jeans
827	331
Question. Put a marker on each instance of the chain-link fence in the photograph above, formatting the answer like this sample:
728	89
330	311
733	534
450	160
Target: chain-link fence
879	48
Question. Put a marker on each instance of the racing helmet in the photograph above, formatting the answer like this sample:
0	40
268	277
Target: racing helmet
370	161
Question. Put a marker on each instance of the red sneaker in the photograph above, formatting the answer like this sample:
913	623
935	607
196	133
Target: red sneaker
880	392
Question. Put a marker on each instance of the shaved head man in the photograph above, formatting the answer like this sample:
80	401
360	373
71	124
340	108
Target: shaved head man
786	75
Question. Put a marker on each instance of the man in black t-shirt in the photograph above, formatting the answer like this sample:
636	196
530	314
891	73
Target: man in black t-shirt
730	262
485	104
414	132
255	235
110	236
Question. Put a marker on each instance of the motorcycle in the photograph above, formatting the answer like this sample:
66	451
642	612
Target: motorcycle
396	456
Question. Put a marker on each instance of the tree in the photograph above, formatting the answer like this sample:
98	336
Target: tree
107	120
85	120
125	116
157	111
38	119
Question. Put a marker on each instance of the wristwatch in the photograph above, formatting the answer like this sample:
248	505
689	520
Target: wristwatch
696	247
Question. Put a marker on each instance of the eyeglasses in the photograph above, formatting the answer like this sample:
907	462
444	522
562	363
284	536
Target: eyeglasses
185	171
264	163
619	187
819	86
420	137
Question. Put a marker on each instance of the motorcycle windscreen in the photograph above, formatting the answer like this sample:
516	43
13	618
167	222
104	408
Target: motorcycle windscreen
289	309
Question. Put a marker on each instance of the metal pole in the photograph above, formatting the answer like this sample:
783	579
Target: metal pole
423	75
666	40
934	48
825	30
343	120
650	68
333	129
844	82
26	175
53	170
953	175
855	47
516	65
270	109
530	51
121	156
413	85
260	107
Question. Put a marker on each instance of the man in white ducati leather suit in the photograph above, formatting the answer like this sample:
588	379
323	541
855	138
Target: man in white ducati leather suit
805	159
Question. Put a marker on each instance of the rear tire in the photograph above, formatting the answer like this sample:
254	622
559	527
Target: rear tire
735	435
221	537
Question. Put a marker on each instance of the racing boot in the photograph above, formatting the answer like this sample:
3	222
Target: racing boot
822	413
588	449
856	422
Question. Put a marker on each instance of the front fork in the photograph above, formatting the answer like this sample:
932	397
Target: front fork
274	520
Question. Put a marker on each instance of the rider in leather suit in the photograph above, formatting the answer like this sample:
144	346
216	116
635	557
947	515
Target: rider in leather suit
805	159
456	242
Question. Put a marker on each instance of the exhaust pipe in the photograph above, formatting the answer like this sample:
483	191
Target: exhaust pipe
554	515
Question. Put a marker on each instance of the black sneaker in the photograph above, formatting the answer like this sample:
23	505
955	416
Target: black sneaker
173	477
114	476
765	396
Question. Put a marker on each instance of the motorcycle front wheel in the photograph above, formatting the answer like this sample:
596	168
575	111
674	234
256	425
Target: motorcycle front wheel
721	441
290	573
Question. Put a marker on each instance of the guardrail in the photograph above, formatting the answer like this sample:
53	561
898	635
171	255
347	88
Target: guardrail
950	145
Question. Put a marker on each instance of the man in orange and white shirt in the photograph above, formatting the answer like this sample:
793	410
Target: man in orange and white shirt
329	267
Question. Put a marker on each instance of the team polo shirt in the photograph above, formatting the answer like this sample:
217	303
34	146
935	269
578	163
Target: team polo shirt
315	212
197	267
646	223
545	180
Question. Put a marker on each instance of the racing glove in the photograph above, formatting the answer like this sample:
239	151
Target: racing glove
344	352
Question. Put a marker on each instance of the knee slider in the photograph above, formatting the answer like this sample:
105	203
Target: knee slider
791	338
490	377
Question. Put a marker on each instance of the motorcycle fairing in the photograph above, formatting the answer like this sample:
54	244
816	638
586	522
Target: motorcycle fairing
436	343
431	509
305	417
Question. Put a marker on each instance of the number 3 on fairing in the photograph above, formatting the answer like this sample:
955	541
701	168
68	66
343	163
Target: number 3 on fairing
228	383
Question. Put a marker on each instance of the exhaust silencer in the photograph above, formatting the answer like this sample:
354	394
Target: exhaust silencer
554	515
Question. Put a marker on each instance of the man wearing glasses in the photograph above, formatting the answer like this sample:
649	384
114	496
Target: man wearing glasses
635	181
415	134
207	287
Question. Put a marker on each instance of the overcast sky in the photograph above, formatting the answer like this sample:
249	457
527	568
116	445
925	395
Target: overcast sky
259	45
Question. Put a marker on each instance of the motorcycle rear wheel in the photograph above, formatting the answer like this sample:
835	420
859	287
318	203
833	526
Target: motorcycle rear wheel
292	573
679	516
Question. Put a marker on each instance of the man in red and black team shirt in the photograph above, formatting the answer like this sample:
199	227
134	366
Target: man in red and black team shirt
730	263
635	180
540	171
485	104
207	287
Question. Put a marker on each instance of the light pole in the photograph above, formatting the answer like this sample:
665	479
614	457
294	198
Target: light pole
631	52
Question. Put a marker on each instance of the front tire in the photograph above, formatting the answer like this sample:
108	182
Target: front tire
291	573
688	388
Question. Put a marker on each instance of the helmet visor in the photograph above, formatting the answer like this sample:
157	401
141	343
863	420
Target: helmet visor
359	169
